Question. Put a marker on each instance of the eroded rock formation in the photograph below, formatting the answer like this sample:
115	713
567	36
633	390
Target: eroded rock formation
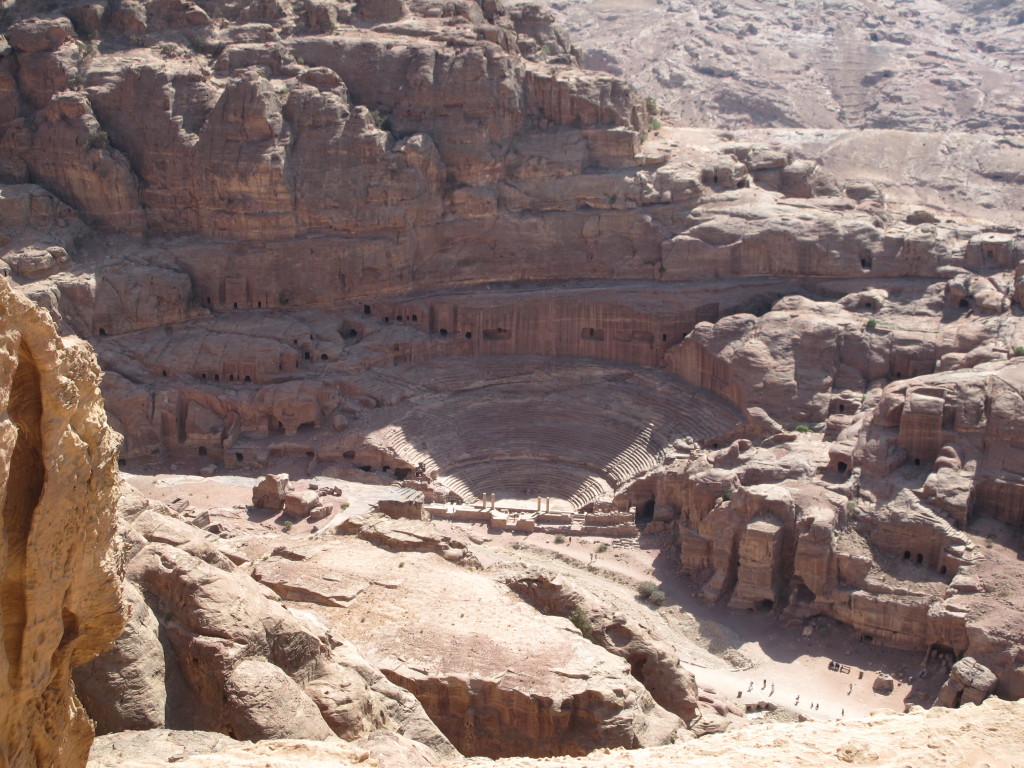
60	599
942	737
413	242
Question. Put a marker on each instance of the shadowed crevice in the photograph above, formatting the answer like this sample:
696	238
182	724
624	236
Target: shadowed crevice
24	488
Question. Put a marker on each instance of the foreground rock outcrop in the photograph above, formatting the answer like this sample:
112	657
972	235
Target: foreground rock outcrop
60	601
208	648
943	738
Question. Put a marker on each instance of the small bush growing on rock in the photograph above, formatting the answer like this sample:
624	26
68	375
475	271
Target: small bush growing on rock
803	428
287	525
602	547
99	140
727	495
559	539
655	124
645	588
872	323
1018	351
581	621
657	597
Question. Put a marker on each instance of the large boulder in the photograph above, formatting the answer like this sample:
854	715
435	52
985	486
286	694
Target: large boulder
970	682
269	492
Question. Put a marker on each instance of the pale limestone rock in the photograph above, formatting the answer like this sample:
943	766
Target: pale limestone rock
59	576
969	683
264	703
935	738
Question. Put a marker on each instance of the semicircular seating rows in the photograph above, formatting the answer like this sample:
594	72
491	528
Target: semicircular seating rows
576	432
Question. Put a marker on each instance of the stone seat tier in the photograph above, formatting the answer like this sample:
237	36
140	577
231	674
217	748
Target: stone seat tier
609	423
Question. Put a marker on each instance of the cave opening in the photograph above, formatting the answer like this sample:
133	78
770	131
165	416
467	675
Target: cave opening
644	513
842	467
636	666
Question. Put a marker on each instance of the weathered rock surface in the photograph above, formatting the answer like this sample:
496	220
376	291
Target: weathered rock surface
496	676
969	683
738	64
938	737
60	603
652	661
270	492
207	647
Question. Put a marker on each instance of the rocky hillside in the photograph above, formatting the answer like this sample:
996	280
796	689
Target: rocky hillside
942	66
413	246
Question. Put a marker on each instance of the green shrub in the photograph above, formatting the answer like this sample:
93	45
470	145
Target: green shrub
581	621
872	323
655	124
99	140
602	547
727	496
1018	351
803	428
657	597
287	525
646	588
559	539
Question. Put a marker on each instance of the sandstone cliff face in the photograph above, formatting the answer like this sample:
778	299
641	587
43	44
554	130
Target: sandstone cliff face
877	521
413	240
59	580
